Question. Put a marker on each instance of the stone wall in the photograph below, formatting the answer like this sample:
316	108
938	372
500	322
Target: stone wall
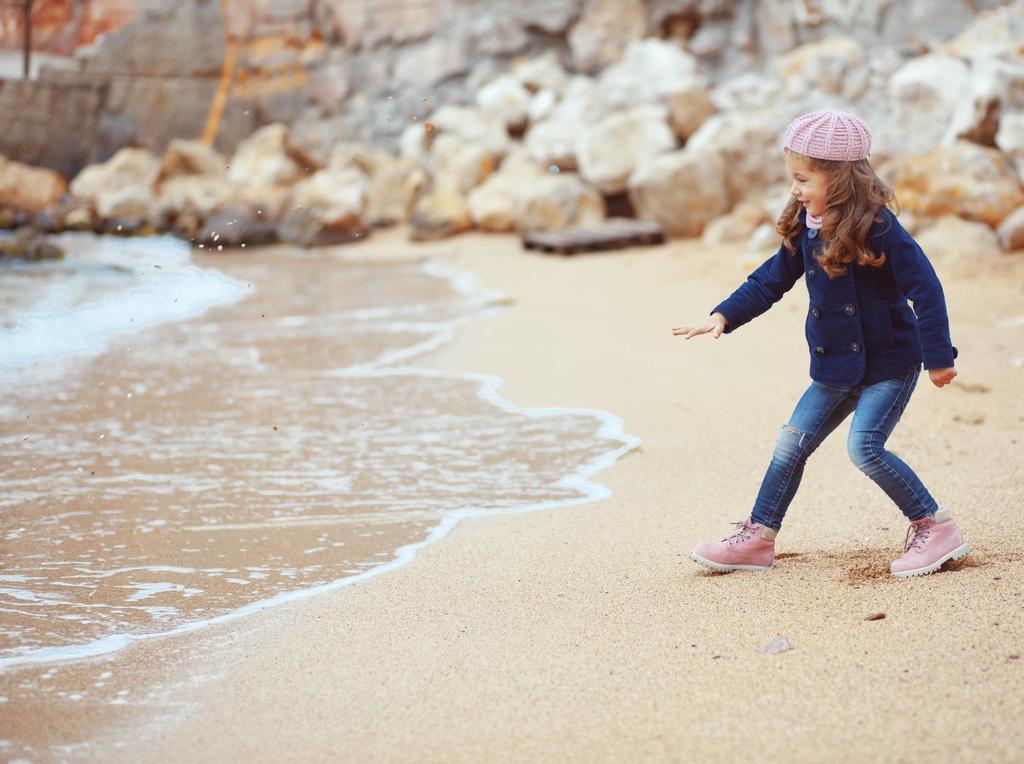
363	70
62	26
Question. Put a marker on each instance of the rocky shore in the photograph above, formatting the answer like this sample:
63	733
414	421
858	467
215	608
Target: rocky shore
649	135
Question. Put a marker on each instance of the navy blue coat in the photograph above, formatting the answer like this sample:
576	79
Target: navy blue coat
860	329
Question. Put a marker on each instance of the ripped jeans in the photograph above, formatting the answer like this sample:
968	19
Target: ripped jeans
876	410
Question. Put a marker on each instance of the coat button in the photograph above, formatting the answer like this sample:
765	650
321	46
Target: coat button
855	347
810	272
815	312
850	308
819	350
812	233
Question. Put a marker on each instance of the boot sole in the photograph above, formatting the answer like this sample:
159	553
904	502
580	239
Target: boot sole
726	568
957	554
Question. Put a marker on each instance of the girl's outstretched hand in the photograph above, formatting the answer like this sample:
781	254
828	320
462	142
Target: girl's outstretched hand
941	377
716	325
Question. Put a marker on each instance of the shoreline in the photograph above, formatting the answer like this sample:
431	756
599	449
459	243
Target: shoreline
586	633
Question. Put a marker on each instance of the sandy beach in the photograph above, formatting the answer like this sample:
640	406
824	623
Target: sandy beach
585	633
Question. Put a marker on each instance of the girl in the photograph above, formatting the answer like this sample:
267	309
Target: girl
866	344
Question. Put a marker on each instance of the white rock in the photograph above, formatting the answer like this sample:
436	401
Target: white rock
683	191
558	201
1010	140
689	109
748	90
963	247
996	89
493	206
544	72
925	94
611	150
333	197
458	166
554	141
603	29
1011	231
834	65
471	125
269	157
129	167
750	143
649	71
127	203
507	99
542	105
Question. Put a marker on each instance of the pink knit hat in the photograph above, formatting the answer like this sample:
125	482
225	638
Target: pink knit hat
829	134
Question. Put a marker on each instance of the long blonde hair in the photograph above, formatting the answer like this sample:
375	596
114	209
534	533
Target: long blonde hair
854	196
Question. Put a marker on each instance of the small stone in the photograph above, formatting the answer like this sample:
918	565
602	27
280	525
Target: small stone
429	127
778	645
874	617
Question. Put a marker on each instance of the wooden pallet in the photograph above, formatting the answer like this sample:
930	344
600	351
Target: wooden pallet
612	234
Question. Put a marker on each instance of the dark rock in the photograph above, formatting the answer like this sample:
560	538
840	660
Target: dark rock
302	227
236	225
28	243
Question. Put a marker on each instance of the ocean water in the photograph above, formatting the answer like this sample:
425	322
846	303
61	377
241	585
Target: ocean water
185	443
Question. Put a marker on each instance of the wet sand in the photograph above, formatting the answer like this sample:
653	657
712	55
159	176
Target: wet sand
584	632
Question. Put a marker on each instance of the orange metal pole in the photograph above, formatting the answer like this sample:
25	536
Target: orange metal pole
216	113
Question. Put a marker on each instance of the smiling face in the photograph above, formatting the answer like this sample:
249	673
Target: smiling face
808	185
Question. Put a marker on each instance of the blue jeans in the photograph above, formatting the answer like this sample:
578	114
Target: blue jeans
876	410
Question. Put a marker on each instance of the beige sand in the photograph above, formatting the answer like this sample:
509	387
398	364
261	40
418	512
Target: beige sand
586	633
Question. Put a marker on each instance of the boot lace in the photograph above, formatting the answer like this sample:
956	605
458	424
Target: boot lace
746	530
917	536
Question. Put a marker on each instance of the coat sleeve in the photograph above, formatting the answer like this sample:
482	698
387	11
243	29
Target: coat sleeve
762	289
917	279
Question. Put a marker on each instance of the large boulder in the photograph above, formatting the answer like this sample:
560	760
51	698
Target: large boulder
128	169
189	158
748	90
458	166
269	157
506	98
543	72
737	225
27	188
603	30
494	204
749	142
326	208
1011	231
689	108
129	207
472	125
971	181
650	70
439	216
27	243
392	191
996	89
925	94
683	191
196	195
834	65
995	32
237	225
1009	139
611	150
963	247
554	140
558	201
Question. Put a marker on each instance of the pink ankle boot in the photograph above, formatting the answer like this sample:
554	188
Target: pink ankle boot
930	542
746	549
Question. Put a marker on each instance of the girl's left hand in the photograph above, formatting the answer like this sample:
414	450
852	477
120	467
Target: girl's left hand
941	377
